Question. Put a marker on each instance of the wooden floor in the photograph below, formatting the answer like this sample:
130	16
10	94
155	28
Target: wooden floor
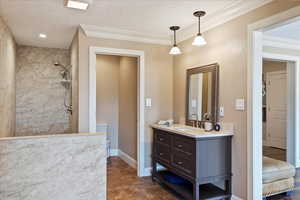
123	184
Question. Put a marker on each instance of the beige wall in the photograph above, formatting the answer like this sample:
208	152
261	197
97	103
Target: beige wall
227	45
40	95
158	82
128	106
107	95
7	81
74	56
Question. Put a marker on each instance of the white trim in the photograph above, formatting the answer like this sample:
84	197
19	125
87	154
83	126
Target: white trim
254	125
126	158
149	170
114	152
227	13
284	43
120	34
230	12
293	136
93	51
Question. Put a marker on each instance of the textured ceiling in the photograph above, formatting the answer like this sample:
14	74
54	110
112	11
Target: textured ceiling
28	18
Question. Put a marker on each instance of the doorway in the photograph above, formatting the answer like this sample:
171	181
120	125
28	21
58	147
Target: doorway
275	95
139	55
279	93
254	114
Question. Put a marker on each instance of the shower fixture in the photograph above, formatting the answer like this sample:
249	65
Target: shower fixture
66	82
60	65
65	73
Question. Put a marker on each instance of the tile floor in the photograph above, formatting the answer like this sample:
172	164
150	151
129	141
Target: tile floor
276	153
123	184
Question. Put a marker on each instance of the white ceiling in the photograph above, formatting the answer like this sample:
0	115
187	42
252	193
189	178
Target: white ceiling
149	18
287	31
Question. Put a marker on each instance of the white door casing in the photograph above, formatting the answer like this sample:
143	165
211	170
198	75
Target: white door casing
93	51
254	74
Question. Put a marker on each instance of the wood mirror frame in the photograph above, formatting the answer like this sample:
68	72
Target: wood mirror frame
214	68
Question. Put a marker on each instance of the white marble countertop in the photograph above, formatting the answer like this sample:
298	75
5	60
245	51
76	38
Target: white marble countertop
192	131
53	135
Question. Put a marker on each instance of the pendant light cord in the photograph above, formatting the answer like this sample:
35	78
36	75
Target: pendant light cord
175	38
199	31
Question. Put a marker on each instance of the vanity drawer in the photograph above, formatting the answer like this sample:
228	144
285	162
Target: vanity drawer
163	137
183	163
184	144
163	153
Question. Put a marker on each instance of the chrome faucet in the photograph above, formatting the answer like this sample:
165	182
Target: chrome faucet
207	116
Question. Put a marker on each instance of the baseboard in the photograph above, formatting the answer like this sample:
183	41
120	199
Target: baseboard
129	160
148	170
235	198
114	152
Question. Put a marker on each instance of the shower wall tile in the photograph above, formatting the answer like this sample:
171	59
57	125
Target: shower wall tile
39	93
59	167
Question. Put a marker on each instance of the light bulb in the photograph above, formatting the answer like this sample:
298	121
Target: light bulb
175	50
199	40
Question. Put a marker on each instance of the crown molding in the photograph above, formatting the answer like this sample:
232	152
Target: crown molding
120	34
280	42
237	8
228	13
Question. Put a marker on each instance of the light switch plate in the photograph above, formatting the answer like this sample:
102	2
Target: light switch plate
148	102
240	104
221	111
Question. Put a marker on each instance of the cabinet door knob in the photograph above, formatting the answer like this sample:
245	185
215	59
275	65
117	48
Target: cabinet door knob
161	154
161	139
179	163
179	146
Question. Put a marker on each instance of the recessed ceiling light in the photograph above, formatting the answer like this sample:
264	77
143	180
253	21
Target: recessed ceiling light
42	35
77	4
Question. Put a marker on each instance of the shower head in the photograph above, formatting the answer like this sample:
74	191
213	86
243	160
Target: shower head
57	64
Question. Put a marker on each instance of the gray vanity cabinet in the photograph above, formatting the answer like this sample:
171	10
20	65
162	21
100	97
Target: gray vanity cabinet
200	160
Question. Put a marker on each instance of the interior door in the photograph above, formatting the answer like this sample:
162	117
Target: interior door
276	123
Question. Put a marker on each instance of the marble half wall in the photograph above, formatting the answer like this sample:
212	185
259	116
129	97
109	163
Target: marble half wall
40	95
60	167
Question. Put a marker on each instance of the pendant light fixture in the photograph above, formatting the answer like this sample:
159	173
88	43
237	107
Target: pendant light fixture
175	50
199	39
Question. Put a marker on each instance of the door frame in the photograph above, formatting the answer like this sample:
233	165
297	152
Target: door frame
254	96
140	55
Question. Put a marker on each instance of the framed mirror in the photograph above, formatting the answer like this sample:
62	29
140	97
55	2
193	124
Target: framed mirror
202	94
